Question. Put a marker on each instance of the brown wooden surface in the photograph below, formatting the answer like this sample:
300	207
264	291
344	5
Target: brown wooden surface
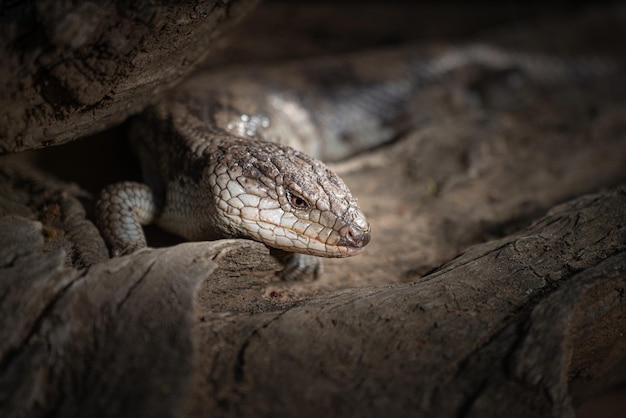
73	68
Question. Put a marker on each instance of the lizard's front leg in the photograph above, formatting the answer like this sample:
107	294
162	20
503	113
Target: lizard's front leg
121	210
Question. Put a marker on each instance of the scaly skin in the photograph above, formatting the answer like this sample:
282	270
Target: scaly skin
209	185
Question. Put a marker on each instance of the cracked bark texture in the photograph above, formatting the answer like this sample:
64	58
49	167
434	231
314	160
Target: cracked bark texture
72	68
528	325
481	293
501	329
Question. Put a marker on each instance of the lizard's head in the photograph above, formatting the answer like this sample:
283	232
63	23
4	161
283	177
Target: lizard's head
287	200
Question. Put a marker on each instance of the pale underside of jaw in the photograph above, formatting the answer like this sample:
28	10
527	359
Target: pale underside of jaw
281	237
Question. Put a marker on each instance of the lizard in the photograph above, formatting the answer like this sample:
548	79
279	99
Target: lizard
237	153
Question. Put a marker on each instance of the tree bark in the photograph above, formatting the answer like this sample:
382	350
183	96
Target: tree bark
508	326
73	68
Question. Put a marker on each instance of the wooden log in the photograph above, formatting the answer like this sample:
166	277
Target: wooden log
514	324
80	67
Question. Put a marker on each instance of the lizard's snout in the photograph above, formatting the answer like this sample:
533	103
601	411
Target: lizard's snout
354	236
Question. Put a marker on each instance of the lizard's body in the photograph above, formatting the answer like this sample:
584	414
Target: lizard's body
218	154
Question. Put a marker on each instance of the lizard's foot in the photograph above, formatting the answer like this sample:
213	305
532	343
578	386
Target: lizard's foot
299	267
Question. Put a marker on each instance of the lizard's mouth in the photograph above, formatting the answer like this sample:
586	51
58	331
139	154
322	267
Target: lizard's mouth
305	238
349	251
347	242
320	249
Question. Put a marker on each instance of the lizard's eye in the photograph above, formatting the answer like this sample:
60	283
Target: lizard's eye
296	201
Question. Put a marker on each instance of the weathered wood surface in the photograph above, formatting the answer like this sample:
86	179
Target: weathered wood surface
527	325
506	328
473	299
72	68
